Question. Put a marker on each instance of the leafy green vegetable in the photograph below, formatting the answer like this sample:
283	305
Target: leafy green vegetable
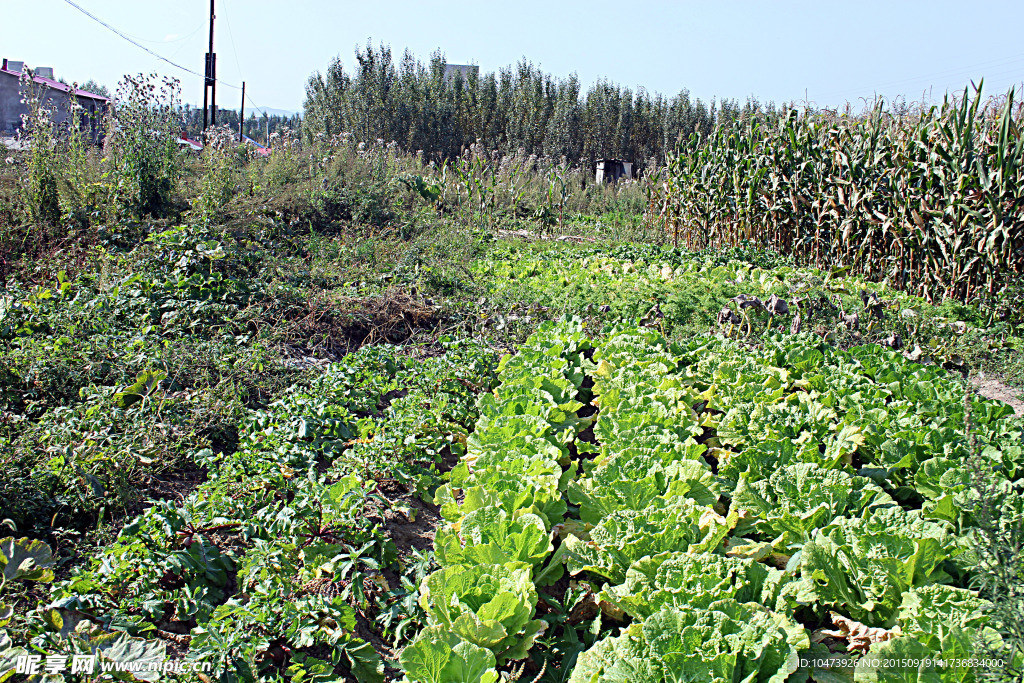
538	494
490	535
863	566
800	498
25	560
932	611
635	479
488	605
907	660
626	536
726	641
439	656
688	580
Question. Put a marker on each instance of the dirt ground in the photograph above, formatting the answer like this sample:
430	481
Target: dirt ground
992	387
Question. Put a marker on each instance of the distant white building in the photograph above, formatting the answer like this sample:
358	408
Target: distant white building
464	69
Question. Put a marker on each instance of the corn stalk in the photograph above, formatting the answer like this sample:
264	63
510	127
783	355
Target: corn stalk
931	202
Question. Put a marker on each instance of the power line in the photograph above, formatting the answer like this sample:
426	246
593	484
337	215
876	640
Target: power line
231	36
168	40
183	44
254	106
234	49
143	47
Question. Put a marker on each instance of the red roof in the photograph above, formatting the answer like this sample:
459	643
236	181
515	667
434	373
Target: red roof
260	149
57	85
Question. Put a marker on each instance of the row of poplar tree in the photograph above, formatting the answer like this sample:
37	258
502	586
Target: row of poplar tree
518	109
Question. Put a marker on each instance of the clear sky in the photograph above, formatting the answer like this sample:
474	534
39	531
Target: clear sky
832	51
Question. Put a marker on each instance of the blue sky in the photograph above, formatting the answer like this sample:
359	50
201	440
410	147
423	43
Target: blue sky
832	51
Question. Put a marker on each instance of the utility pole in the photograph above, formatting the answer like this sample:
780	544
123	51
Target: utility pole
210	85
213	73
241	116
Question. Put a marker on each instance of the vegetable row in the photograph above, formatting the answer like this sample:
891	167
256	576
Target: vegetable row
732	502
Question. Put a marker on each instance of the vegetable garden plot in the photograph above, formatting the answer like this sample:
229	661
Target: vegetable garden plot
737	504
274	568
740	293
623	509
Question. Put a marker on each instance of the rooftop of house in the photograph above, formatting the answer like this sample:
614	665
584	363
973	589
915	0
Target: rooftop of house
17	69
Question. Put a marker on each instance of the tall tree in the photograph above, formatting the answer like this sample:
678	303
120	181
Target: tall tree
517	108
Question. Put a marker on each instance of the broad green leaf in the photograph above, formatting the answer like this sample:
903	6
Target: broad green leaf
144	385
25	560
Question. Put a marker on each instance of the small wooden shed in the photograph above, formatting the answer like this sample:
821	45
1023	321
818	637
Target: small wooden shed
611	170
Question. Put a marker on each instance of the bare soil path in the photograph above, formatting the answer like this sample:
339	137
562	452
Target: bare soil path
993	387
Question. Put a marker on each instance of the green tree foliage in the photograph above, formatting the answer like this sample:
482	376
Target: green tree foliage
93	86
258	125
517	108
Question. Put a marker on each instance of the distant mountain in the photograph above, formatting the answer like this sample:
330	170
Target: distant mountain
249	111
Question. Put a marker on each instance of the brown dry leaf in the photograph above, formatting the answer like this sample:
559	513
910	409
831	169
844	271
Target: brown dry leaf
858	636
572	527
742	547
612	612
710	519
584	610
779	560
379	580
406	510
177	638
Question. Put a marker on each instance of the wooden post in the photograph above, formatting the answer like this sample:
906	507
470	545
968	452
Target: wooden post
241	116
206	93
210	83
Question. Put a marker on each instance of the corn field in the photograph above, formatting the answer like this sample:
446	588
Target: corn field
932	202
